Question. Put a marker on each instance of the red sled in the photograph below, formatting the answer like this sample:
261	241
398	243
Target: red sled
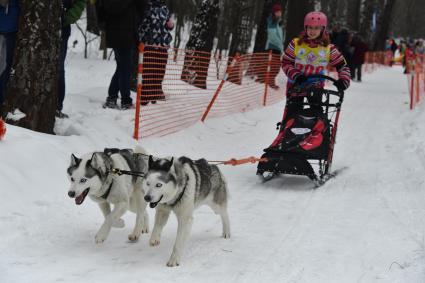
306	139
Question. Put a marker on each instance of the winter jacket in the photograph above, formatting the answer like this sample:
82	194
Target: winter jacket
305	59
122	19
420	50
72	10
154	30
360	49
274	34
9	17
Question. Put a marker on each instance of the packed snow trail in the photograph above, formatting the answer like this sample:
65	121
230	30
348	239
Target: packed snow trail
365	225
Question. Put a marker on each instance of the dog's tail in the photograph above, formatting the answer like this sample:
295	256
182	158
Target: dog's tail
140	149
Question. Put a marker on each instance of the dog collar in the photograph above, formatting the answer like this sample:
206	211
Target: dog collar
106	194
181	195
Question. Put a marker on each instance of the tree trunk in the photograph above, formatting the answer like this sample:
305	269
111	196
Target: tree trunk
33	89
353	15
297	9
224	25
330	7
261	36
366	23
384	25
241	33
198	48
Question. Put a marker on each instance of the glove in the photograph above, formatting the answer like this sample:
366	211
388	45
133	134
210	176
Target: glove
340	85
300	79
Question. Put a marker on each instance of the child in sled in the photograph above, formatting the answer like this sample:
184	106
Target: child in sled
311	53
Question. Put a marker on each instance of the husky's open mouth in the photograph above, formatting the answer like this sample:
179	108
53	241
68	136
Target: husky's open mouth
79	200
154	204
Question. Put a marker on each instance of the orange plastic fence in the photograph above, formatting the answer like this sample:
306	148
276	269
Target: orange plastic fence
177	88
415	69
374	60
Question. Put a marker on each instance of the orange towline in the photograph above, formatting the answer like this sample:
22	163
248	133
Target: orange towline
235	162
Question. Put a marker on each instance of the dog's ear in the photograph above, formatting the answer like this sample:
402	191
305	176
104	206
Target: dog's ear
75	161
169	164
150	164
98	163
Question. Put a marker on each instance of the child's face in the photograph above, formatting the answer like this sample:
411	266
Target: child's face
278	14
313	32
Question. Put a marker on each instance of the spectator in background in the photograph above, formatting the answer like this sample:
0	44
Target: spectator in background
358	58
122	17
155	33
409	56
274	42
9	18
419	48
335	33
393	47
71	12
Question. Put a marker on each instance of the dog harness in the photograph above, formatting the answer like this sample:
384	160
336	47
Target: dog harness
181	195
106	194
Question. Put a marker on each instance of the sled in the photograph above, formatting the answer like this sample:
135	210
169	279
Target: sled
306	139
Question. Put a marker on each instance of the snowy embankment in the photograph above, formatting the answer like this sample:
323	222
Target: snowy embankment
366	225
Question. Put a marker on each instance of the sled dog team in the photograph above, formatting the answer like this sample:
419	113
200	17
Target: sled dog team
179	185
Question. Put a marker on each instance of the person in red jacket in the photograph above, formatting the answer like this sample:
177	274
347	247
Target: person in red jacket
358	59
312	53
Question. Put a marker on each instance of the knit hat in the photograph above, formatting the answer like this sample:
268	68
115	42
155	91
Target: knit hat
276	7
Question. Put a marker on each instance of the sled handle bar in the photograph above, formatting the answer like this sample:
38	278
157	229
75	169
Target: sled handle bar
338	93
320	76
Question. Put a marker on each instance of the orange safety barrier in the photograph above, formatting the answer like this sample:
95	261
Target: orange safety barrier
376	59
177	88
415	70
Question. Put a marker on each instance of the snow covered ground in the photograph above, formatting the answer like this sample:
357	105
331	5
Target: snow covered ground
366	225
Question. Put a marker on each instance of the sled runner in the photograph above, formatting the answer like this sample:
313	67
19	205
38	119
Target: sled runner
306	139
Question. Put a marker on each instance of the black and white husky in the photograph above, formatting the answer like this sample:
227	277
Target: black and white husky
91	175
181	186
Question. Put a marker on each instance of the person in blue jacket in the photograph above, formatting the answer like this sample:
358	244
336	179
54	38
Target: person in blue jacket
274	43
9	18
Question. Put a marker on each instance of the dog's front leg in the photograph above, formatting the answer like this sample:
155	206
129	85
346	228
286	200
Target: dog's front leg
106	210
183	230
142	220
118	211
161	217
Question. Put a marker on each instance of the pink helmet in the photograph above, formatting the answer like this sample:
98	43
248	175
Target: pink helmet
315	19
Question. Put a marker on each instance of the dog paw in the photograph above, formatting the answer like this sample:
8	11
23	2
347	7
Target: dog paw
154	242
100	239
119	223
172	262
226	235
133	237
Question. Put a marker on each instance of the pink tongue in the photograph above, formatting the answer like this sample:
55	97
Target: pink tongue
79	200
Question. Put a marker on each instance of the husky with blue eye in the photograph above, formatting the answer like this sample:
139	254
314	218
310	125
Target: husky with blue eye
181	186
91	175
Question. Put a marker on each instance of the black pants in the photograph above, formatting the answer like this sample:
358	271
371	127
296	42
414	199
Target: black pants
120	81
154	66
356	69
